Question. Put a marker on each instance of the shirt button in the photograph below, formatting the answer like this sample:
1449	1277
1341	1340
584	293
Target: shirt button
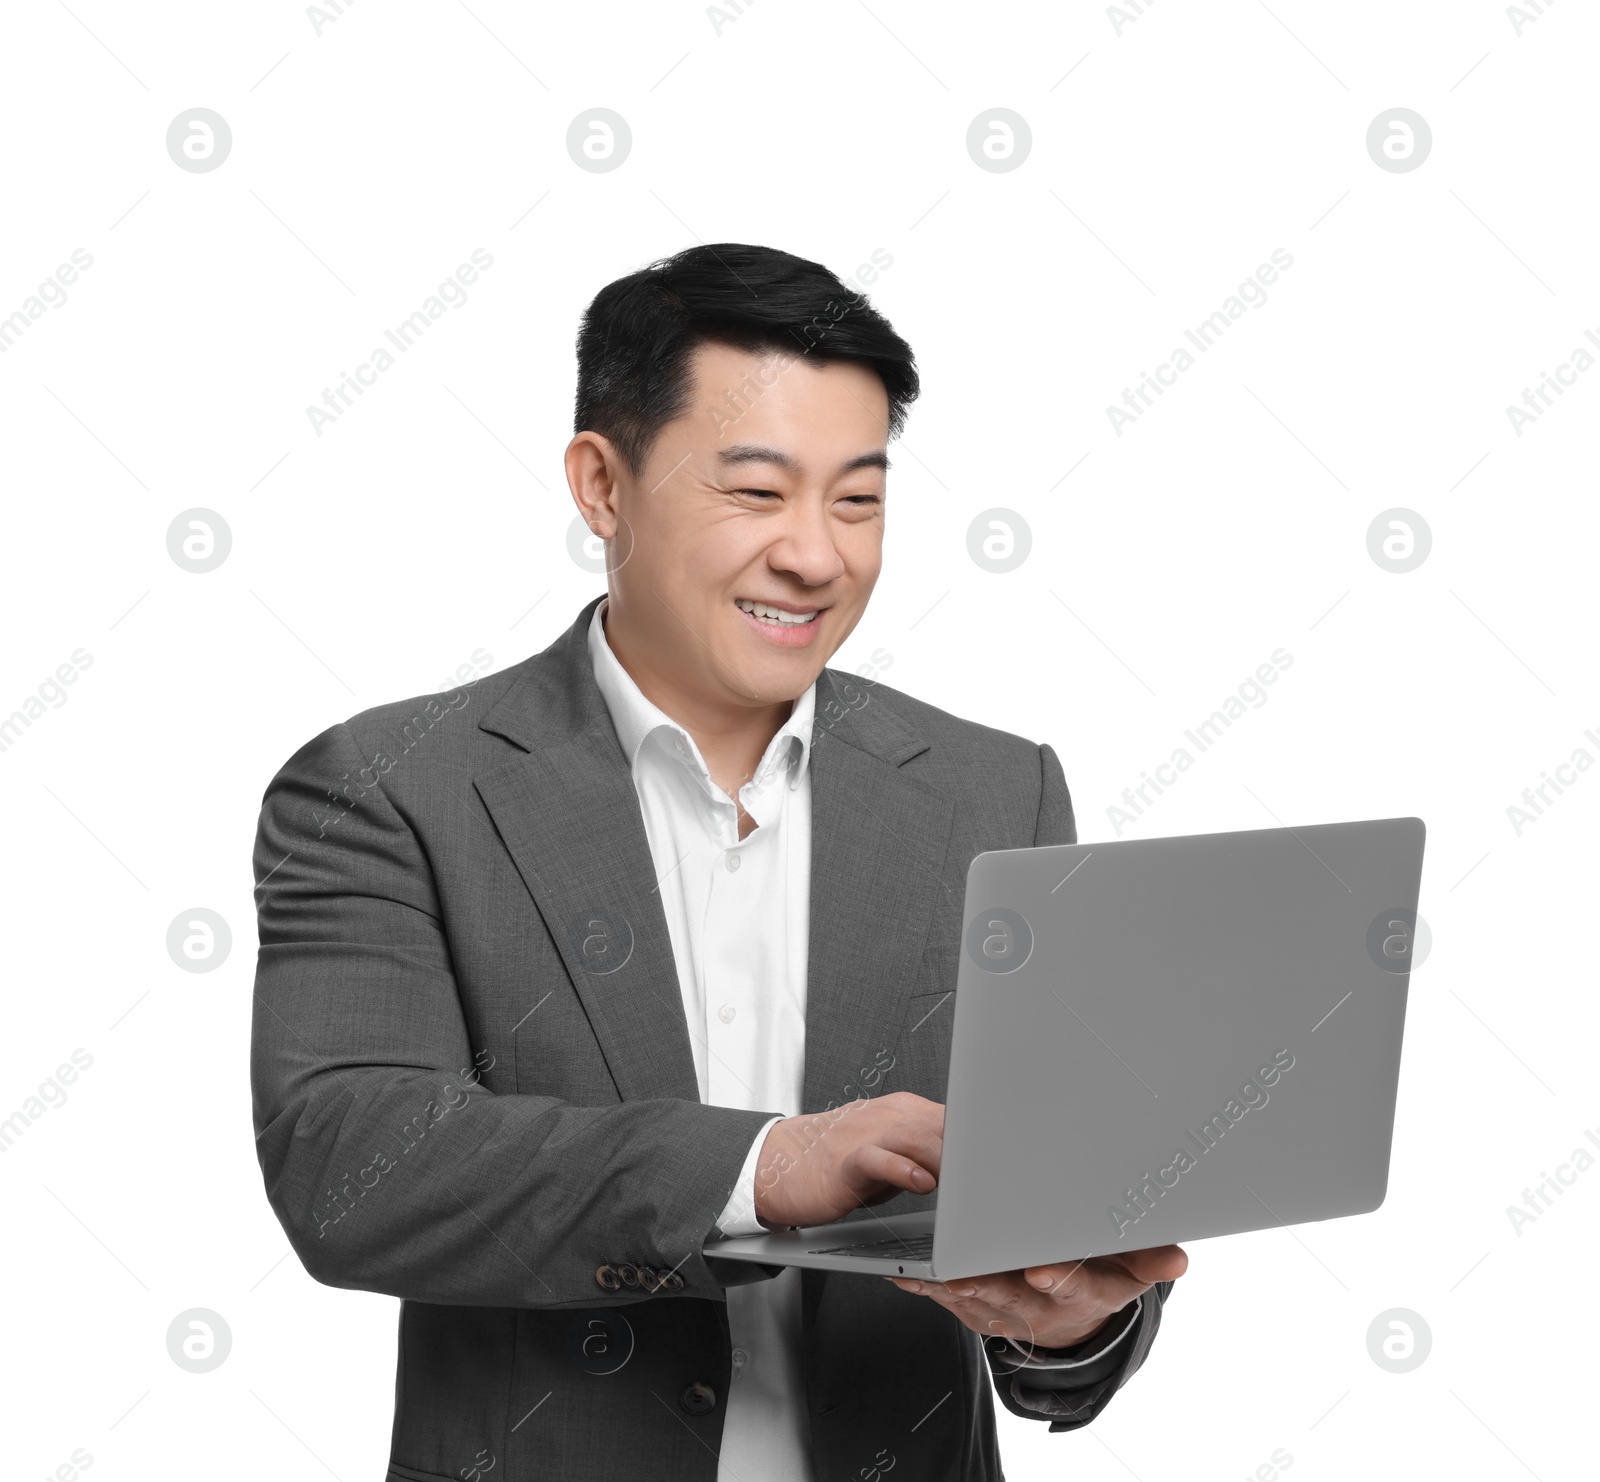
698	1399
726	1013
733	860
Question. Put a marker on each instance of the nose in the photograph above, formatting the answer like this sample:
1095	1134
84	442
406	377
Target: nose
805	547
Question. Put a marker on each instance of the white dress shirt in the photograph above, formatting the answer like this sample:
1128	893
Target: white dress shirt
738	914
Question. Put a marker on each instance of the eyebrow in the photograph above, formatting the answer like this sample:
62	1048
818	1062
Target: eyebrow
741	453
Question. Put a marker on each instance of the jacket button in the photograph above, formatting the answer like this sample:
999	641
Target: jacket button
698	1399
629	1275
607	1277
648	1278
672	1281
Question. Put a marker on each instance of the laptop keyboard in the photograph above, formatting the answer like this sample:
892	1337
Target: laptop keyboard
895	1248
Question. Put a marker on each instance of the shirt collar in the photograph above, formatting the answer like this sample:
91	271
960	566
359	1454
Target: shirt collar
636	719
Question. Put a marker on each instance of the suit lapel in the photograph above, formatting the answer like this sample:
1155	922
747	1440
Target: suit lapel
879	841
566	807
569	814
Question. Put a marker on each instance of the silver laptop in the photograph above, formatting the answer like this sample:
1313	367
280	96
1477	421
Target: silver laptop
1157	1040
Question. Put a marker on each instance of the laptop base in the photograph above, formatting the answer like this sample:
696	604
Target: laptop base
871	1245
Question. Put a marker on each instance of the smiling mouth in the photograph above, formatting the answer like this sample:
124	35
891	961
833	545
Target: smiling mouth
779	616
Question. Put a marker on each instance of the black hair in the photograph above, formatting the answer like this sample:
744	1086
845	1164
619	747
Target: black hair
637	336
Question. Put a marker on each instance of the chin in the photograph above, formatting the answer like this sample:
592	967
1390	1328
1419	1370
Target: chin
786	681
777	676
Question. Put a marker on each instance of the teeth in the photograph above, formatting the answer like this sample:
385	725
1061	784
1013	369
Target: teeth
773	614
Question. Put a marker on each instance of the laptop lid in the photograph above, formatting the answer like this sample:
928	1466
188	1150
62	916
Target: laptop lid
1159	1040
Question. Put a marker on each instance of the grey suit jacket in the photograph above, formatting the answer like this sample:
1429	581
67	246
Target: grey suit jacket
473	1085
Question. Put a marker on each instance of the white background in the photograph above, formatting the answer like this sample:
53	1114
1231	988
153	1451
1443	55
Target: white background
1172	152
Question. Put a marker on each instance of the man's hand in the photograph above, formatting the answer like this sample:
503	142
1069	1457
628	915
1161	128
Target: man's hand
1053	1306
816	1169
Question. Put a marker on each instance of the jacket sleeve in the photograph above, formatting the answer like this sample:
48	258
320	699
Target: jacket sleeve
1073	1395
1069	1387
1056	822
388	1160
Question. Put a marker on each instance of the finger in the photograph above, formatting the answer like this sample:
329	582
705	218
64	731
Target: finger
1003	1291
869	1167
1127	1274
1160	1263
1171	1262
920	1287
1105	1284
915	1129
906	1283
1062	1279
1084	1284
939	1292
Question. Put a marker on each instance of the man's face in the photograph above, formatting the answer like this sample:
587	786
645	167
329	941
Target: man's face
767	493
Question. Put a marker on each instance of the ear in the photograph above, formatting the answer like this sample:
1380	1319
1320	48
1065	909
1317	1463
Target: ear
593	469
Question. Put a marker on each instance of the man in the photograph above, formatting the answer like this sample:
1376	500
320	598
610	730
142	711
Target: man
653	936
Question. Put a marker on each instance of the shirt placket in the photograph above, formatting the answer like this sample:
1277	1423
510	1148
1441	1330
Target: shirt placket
732	957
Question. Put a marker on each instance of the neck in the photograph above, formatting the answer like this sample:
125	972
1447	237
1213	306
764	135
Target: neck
732	737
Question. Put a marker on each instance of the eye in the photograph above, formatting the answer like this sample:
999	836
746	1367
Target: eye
862	500
760	493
